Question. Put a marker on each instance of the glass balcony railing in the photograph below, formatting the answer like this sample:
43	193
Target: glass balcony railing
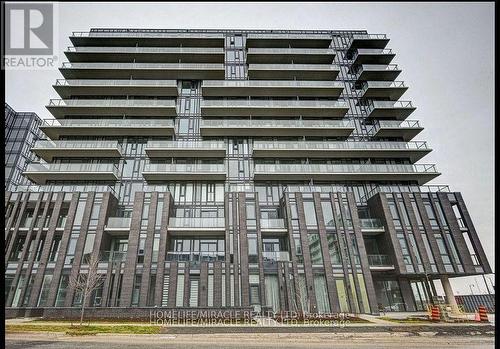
382	84
273	83
195	257
405	189
201	145
95	144
277	123
118	223
198	222
345	168
313	145
112	256
388	104
378	124
65	188
156	66
373	51
377	67
110	82
276	256
294	67
97	123
290	51
139	49
368	36
371	224
72	167
167	103
272	223
273	104
185	168
379	260
145	33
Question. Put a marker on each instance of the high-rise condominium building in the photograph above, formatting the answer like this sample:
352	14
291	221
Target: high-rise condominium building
234	169
21	133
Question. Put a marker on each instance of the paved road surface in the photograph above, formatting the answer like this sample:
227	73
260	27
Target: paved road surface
250	341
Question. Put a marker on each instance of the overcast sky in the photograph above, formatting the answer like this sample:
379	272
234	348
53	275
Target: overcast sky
446	52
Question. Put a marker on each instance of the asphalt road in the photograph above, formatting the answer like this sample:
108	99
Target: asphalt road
251	341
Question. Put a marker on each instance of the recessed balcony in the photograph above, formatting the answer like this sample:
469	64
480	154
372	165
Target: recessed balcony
92	87
290	55
118	224
285	40
112	107
152	71
372	56
379	41
276	256
312	149
145	37
47	150
407	129
293	71
41	173
197	149
107	127
195	257
284	128
192	223
277	88
380	262
272	225
377	72
146	54
371	226
399	110
184	172
420	173
383	89
274	108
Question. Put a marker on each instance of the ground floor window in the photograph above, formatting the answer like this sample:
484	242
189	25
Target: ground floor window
389	295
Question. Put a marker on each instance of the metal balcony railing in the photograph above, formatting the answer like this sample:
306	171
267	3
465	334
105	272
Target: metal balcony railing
379	260
197	222
368	36
376	67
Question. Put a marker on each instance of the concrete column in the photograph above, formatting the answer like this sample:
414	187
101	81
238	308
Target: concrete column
448	291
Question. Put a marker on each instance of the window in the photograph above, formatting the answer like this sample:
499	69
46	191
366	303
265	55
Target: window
326	207
310	213
315	248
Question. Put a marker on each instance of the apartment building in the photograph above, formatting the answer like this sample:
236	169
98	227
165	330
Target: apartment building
234	169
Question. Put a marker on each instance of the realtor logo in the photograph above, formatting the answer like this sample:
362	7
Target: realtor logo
29	29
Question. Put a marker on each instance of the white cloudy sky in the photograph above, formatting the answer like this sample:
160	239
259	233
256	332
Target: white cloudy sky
446	51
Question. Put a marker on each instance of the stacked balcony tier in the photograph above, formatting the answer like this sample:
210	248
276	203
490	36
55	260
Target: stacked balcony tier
276	88
112	107
277	128
273	108
378	41
47	150
289	55
41	173
399	110
372	56
391	90
107	127
406	129
199	149
286	40
146	54
153	71
411	150
380	72
420	173
93	87
158	38
160	172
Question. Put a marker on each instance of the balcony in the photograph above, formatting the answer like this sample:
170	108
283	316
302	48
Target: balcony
377	72
41	173
146	54
399	110
107	127
317	149
112	256
118	224
277	88
112	107
184	172
285	40
152	71
191	223
379	41
274	108
406	129
205	149
380	262
195	257
92	87
420	173
371	225
146	37
383	89
272	225
278	256
372	56
293	71
290	55
284	128
47	150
